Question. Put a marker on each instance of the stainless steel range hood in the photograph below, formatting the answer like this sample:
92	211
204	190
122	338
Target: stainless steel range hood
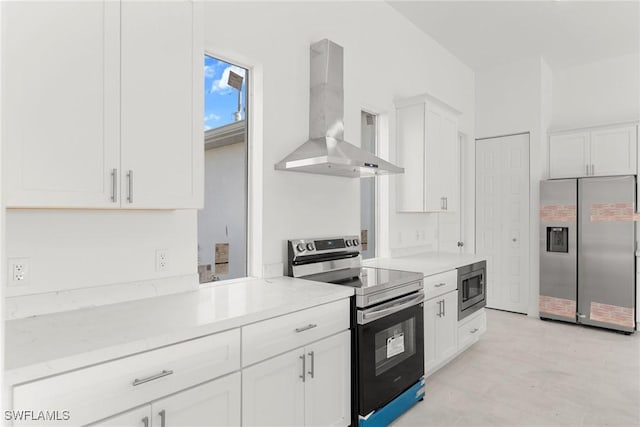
326	152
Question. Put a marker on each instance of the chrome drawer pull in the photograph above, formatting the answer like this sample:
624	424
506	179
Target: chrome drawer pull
164	373
440	285
163	418
306	328
304	367
145	421
474	330
114	185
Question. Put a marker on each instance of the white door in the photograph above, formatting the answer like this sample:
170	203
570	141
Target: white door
502	219
613	151
216	403
410	146
432	313
61	68
447	330
273	391
139	417
569	155
162	105
328	384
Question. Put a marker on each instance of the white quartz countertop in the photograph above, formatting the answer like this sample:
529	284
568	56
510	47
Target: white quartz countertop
427	263
54	343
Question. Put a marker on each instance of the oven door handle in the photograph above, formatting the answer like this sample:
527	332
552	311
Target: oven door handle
384	310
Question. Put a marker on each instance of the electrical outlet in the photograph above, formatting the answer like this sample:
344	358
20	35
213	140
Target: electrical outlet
162	260
18	271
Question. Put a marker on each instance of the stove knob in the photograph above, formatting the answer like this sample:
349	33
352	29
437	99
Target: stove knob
348	243
355	242
310	246
300	247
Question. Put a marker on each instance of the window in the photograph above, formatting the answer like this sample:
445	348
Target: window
222	223
369	132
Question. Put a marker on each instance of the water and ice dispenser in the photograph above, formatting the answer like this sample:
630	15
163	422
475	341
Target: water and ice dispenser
558	239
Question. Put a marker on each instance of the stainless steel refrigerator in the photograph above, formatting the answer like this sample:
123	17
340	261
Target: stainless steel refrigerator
587	251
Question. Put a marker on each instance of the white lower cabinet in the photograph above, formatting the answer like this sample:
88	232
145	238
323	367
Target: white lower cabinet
470	329
440	330
216	403
139	417
308	386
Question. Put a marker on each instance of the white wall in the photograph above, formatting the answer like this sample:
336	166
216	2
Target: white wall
516	98
385	58
222	219
85	248
602	92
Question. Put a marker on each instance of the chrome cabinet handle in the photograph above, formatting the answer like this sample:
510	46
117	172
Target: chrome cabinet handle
446	203
139	381
444	308
145	421
130	182
163	418
306	328
439	309
474	330
304	362
587	166
440	285
114	185
460	244
311	372
593	169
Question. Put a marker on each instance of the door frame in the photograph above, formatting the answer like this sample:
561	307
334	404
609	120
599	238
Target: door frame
529	218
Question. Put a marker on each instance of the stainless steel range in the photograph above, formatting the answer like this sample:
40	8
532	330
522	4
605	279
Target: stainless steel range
387	323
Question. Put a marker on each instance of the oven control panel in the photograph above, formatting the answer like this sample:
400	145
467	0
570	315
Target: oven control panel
324	245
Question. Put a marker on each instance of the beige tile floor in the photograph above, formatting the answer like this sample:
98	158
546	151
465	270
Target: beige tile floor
529	372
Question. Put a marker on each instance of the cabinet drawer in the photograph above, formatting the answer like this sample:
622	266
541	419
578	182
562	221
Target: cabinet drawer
278	335
99	391
471	328
439	284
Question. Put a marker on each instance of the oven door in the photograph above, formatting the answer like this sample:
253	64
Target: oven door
472	291
390	352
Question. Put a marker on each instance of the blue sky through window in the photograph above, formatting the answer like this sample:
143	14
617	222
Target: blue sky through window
221	100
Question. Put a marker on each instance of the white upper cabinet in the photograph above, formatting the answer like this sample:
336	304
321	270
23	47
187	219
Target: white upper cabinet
103	104
427	147
61	102
569	155
598	152
410	125
613	151
162	93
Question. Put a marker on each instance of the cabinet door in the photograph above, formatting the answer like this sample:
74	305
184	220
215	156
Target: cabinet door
447	329
139	417
216	403
410	146
328	384
273	391
61	100
162	104
435	159
450	164
431	316
569	155
613	151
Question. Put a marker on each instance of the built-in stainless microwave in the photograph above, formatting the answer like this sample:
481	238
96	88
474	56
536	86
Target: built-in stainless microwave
472	288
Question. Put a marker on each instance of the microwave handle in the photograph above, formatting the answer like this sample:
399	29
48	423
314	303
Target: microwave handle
384	310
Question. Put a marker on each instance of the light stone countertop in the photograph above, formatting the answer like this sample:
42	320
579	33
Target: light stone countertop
427	263
50	344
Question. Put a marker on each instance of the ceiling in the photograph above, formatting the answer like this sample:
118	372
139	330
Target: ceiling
483	34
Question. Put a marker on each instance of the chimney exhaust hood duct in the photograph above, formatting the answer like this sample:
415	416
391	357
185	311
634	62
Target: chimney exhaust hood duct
326	152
